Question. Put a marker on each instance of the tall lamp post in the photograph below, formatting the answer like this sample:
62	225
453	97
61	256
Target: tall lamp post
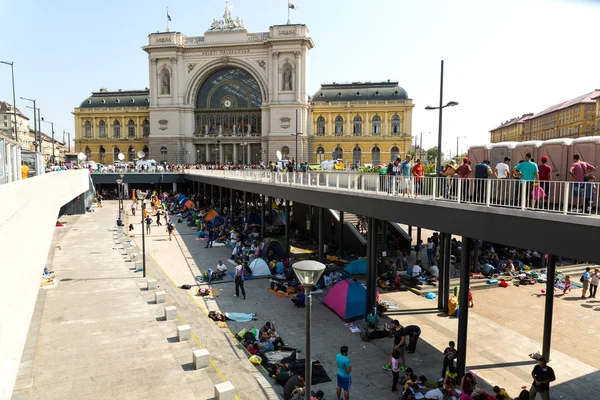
35	127
441	107
142	197
308	273
119	181
12	72
457	139
51	123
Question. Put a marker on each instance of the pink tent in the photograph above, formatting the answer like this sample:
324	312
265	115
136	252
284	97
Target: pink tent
348	299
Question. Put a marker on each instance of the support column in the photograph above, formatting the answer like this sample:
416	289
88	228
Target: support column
369	260
204	194
384	232
212	198
372	265
174	187
463	312
341	235
441	266
298	79
245	208
549	307
476	255
410	231
447	273
231	205
418	247
287	227
207	152
221	199
321	226
235	155
262	216
221	155
249	156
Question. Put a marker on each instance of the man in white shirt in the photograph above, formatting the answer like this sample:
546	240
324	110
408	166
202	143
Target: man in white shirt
502	170
335	276
416	270
221	267
437	394
434	271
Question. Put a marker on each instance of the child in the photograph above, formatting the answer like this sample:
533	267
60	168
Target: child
450	377
589	192
471	304
498	391
395	363
567	284
449	357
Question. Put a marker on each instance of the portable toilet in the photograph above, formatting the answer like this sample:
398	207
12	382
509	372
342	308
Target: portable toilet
589	150
557	151
532	146
477	154
498	151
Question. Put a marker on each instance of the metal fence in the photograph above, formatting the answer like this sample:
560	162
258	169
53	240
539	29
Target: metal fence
579	198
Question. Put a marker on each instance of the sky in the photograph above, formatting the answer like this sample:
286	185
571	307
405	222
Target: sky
502	58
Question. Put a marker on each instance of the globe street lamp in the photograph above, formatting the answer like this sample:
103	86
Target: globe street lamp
142	197
119	181
438	164
308	273
122	197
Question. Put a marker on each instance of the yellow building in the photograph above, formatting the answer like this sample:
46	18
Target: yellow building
570	119
360	123
109	123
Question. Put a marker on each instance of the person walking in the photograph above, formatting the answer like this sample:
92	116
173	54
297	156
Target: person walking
594	280
344	369
211	234
170	228
395	364
148	224
158	214
133	207
542	375
585	281
577	171
238	278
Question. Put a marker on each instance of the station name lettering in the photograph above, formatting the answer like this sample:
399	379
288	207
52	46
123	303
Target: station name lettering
163	40
225	52
287	32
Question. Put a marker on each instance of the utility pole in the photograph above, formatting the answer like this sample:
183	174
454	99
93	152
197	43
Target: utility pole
35	126
12	71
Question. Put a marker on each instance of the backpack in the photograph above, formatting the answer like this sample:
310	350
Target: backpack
581	279
186	287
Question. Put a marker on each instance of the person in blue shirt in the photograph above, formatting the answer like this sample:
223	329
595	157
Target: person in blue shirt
529	174
343	373
585	281
405	172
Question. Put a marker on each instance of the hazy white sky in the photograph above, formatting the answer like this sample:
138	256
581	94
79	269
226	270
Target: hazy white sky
503	58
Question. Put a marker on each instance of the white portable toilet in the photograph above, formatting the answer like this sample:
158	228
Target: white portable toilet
531	146
557	151
498	151
588	149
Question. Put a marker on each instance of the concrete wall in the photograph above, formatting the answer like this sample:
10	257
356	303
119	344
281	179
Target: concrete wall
28	213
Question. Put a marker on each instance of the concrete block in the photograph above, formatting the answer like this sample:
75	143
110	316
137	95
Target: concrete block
170	313
184	332
224	391
160	297
129	251
139	266
151	284
201	358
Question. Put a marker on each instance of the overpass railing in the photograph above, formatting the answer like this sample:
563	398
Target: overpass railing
580	198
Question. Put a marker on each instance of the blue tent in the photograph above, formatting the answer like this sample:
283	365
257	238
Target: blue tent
348	299
182	200
216	221
254	218
357	267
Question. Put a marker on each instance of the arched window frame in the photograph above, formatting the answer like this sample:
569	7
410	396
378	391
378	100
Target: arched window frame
163	153
396	124
146	152
356	155
337	153
102	152
394	153
357	125
321	125
131	129
88	129
339	125
285	151
320	151
116	128
131	154
102	128
88	152
375	155
146	128
376	125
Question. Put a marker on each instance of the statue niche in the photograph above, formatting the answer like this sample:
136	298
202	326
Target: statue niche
287	78
165	82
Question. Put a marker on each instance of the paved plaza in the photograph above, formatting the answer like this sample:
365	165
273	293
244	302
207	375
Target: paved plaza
98	334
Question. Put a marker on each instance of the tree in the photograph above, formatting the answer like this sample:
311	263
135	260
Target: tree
432	154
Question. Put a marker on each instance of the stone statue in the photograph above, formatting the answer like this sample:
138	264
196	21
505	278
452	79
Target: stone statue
166	83
249	128
287	79
228	22
206	129
220	130
234	129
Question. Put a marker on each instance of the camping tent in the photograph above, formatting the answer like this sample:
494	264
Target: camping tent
259	267
216	221
210	215
357	267
348	299
274	245
276	218
253	218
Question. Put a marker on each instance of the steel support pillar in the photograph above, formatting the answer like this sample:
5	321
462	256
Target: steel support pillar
384	232
369	266
321	226
549	308
442	267
204	195
341	235
221	199
418	251
245	208
448	270
410	231
262	216
287	227
231	204
463	312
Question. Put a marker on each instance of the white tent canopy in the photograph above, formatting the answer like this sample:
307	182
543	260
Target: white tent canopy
259	267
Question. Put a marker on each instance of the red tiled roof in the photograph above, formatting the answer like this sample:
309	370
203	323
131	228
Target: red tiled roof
586	98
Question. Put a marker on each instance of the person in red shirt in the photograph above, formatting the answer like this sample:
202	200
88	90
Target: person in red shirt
418	171
545	174
463	172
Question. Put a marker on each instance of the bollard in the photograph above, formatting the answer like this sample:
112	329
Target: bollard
160	297
184	332
201	358
224	391
151	284
170	313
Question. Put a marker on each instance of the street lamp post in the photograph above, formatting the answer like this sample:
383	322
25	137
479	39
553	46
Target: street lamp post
51	123
142	197
308	273
441	107
457	139
39	145
12	72
119	181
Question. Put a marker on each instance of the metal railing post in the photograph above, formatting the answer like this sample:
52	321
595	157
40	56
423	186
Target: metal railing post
458	189
378	184
434	187
566	198
356	182
294	178
523	194
337	181
327	180
488	192
318	179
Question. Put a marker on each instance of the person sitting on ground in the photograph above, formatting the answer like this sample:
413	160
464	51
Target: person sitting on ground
417	270
300	299
221	269
268	335
450	377
486	269
373	319
468	383
318	396
437	394
335	277
434	271
502	392
295	382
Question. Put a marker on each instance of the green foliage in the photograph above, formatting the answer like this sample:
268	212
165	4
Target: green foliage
376	169
432	154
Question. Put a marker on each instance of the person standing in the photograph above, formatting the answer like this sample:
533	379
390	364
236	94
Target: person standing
419	172
158	214
585	281
529	173
578	170
395	370
542	375
148	224
238	278
463	172
344	380
170	228
211	235
482	173
450	355
24	170
594	280
502	171
545	173
133	207
405	173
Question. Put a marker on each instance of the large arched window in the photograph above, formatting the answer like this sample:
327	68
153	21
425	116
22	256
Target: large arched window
394	153
338	153
88	129
357	125
146	128
131	128
375	155
163	153
116	128
229	88
116	152
320	154
320	125
285	152
102	128
131	154
88	153
339	125
395	125
102	154
356	154
146	152
376	123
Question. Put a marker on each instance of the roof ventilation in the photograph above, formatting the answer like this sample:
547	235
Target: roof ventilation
339	94
89	101
377	93
117	101
132	100
322	94
103	101
358	93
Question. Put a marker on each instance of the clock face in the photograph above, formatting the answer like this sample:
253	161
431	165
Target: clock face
227	103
